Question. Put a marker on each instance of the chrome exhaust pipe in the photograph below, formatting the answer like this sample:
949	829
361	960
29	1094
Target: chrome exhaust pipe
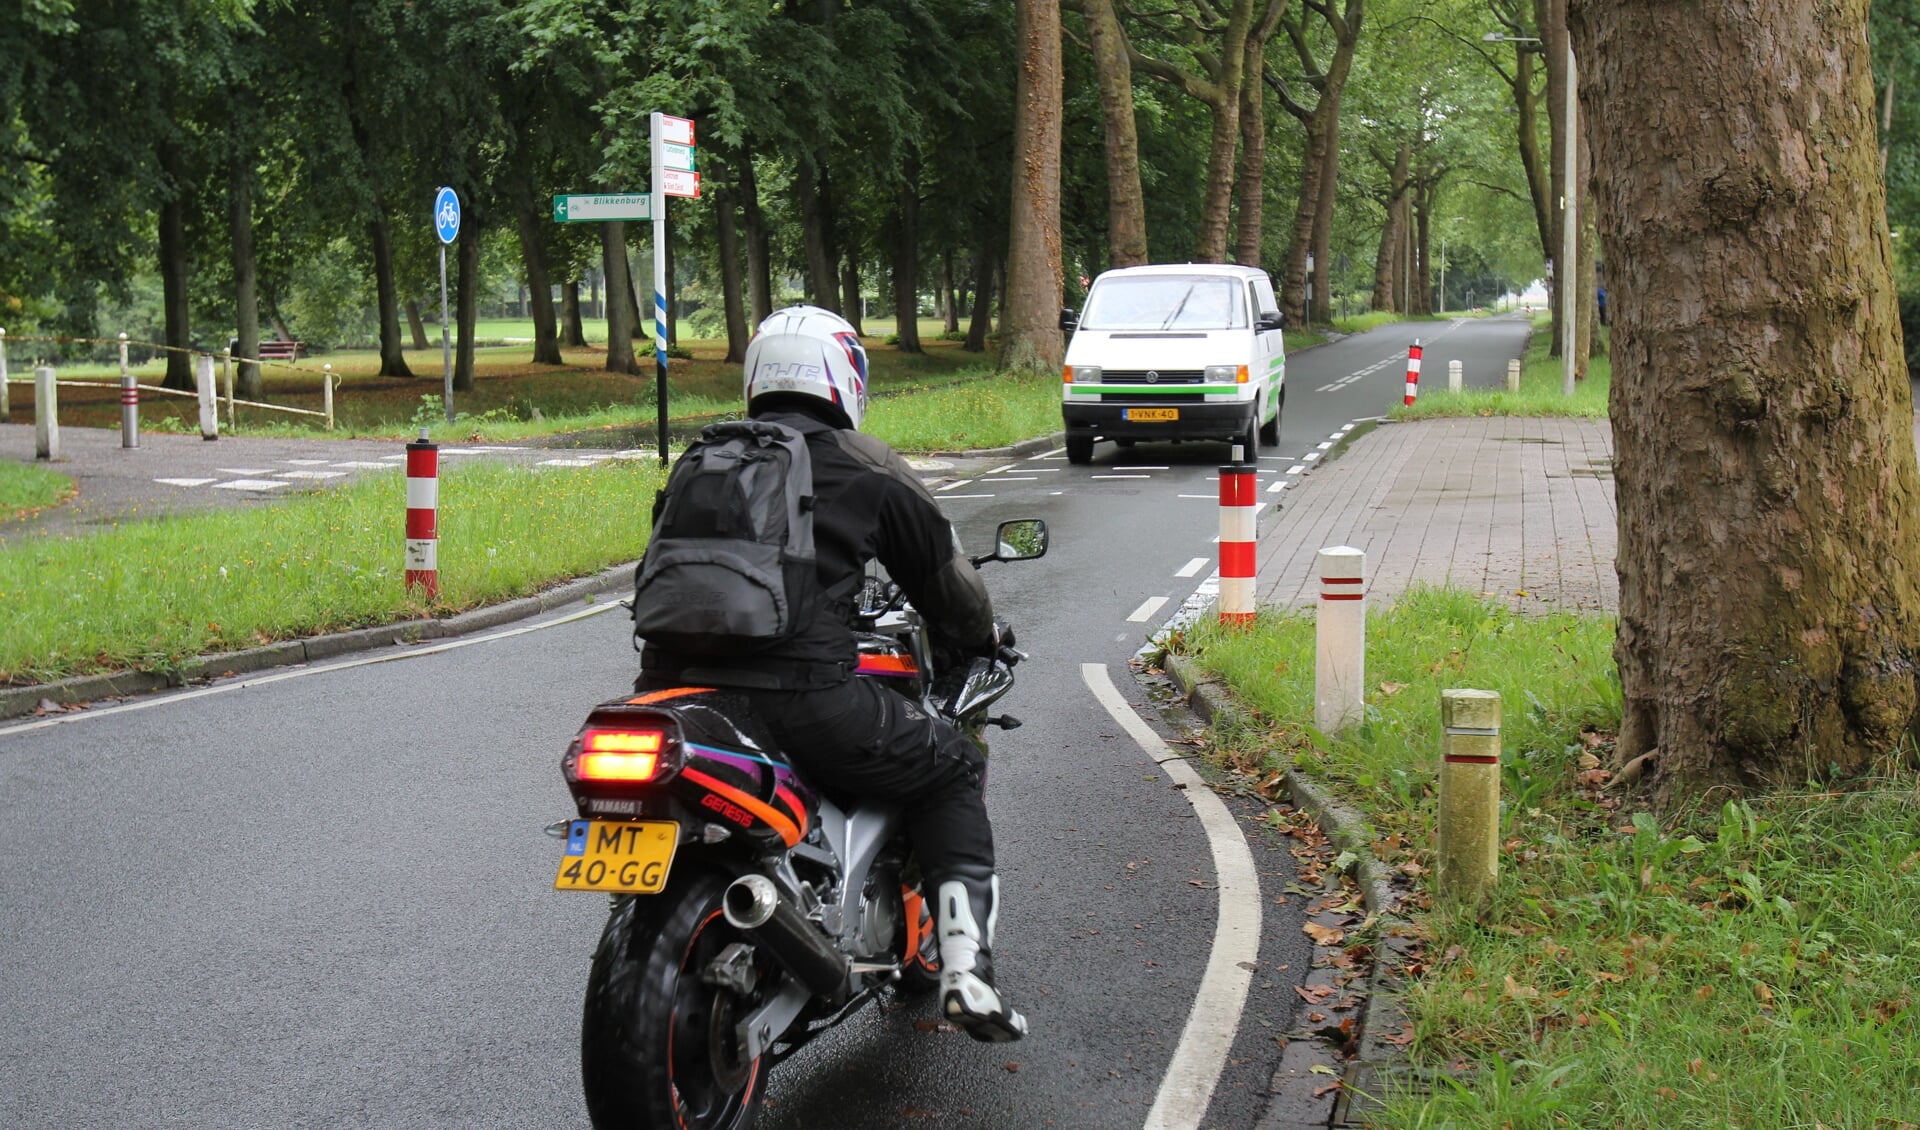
753	904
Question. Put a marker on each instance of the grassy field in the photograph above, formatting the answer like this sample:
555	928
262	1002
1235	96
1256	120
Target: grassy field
1751	964
147	594
25	488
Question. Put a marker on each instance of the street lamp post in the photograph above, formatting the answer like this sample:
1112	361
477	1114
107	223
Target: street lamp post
1569	231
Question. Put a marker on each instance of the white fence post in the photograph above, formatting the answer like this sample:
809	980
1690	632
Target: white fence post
1469	857
46	415
203	383
129	400
1453	375
326	393
1513	374
1340	643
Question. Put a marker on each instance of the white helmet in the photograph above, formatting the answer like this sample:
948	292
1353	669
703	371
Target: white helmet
812	352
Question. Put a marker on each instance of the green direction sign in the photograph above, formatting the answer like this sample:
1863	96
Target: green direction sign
676	156
577	208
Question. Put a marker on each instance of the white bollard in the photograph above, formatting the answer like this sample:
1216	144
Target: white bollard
1513	375
129	400
209	409
46	415
1453	376
6	406
326	393
1340	644
1468	862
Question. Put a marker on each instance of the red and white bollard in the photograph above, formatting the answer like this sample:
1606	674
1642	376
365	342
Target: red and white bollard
1413	371
423	521
129	401
1238	539
1340	640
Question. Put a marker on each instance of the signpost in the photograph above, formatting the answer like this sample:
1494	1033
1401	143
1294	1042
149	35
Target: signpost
446	224
673	175
579	208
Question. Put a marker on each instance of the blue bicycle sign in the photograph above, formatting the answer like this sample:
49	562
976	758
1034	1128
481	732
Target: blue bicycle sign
446	215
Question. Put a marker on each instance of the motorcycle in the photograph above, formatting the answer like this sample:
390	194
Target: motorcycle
750	913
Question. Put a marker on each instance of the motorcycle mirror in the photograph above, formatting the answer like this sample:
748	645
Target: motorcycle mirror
1022	539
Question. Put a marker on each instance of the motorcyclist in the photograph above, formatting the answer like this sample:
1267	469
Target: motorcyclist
806	367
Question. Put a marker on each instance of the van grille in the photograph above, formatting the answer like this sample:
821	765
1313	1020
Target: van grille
1153	398
1160	377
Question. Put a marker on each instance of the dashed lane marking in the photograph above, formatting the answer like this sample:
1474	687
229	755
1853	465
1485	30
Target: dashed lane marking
1296	468
1192	568
967	495
306	462
1277	487
367	466
245	470
253	484
998	470
312	475
184	482
956	483
1121	476
1147	608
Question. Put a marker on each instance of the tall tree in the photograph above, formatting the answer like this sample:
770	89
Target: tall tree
1320	163
1765	468
1030	329
1126	206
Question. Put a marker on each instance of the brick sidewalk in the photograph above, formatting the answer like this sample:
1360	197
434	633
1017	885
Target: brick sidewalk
1520	509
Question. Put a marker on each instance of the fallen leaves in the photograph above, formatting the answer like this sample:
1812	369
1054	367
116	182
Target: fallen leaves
1323	935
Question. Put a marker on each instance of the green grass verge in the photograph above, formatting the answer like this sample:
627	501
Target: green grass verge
147	594
25	488
1752	967
1541	382
990	410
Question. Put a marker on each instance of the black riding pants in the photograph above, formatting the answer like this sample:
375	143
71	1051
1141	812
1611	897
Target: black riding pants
864	739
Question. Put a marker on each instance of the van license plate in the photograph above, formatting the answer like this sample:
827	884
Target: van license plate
1152	413
617	856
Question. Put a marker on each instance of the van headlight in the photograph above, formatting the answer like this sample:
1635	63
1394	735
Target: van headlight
1226	374
1085	374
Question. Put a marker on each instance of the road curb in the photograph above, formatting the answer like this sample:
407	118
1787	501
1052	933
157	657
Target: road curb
1024	447
1293	1101
17	701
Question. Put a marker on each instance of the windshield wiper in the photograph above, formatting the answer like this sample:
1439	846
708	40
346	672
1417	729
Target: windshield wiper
1182	305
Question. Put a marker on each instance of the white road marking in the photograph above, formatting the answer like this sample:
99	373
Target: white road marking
401	456
566	463
636	453
1192	567
184	482
1277	487
956	483
367	466
1017	479
1309	457
312	475
1324	446
998	470
386	656
1122	476
245	470
306	462
976	495
1050	454
1208	1037
1296	469
252	484
1147	608
1138	467
1210	497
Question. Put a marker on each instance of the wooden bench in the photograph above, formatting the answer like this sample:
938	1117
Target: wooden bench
280	350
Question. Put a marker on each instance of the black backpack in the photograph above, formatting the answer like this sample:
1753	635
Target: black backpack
730	569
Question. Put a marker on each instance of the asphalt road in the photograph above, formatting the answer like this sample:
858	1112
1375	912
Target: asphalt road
323	898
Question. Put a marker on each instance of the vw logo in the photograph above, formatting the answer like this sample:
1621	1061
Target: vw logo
1153	378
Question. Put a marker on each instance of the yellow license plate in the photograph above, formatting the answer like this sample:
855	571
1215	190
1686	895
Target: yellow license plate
617	856
1153	413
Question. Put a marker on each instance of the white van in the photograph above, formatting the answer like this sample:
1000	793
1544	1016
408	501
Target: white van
1188	351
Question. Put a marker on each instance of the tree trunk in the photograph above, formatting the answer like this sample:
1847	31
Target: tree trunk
173	272
1126	205
393	362
416	325
850	305
1323	212
1306	210
1763	451
950	298
667	291
246	302
1423	250
573	333
730	280
546	337
1384	273
1253	137
1527	123
814	196
613	255
1030	330
466	302
906	259
979	322
639	297
1551	18
759	265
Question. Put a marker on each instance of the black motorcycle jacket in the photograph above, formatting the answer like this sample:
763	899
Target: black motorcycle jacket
868	504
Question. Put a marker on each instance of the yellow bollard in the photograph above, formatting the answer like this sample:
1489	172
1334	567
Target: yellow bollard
1469	863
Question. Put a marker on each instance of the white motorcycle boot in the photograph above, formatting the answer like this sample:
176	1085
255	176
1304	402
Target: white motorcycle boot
967	995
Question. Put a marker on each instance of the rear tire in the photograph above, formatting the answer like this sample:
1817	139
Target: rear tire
1250	439
1270	432
655	1042
1079	450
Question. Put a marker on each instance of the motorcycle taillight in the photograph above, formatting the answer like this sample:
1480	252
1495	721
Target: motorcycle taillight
618	755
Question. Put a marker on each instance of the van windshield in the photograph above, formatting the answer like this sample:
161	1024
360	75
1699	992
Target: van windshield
1166	302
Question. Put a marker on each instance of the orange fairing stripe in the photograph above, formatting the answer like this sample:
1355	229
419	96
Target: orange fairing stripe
768	815
662	696
792	802
886	665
